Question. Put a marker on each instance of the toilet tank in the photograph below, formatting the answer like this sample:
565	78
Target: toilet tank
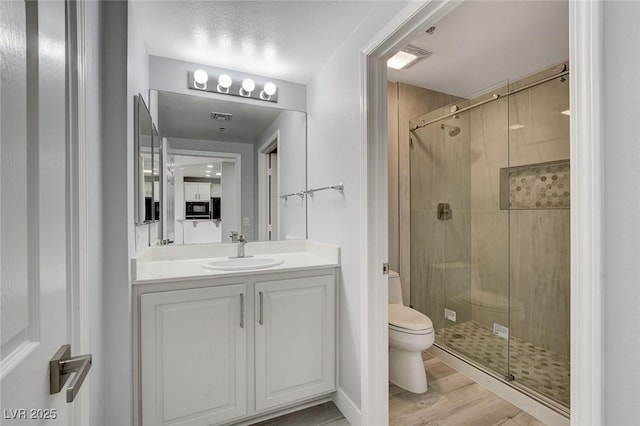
395	288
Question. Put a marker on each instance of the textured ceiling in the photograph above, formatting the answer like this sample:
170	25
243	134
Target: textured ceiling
189	117
288	40
483	43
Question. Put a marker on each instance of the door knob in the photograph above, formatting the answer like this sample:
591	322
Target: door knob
60	368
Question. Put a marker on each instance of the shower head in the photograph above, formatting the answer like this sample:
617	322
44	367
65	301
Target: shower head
453	131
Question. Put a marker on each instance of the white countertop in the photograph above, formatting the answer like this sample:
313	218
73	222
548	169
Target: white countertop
173	263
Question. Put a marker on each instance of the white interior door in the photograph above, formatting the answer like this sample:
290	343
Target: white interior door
36	298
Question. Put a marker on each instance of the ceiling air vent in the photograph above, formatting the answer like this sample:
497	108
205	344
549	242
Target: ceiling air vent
407	57
221	116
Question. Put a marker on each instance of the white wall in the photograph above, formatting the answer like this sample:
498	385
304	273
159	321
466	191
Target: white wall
171	75
93	76
247	174
118	215
125	66
334	155
621	208
292	173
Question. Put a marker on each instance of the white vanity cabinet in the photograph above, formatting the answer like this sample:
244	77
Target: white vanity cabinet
218	351
193	361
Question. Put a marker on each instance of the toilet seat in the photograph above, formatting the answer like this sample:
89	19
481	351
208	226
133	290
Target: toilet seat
408	331
407	320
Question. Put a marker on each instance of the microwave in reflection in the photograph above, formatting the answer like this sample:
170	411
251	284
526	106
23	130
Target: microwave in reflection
197	210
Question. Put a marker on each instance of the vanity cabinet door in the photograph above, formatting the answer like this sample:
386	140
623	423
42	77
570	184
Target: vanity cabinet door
193	356
294	339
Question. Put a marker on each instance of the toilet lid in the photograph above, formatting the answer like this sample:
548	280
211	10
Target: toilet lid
405	317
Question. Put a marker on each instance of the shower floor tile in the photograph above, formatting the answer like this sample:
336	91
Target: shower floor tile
537	368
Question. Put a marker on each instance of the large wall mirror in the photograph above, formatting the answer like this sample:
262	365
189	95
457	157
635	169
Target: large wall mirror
225	168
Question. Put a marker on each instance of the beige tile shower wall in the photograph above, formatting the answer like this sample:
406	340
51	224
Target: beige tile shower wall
540	239
411	102
440	249
489	144
540	277
520	257
394	204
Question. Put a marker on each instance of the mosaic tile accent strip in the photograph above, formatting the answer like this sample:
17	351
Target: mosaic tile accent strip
535	186
541	370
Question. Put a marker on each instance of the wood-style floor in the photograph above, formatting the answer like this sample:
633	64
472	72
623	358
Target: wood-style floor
452	400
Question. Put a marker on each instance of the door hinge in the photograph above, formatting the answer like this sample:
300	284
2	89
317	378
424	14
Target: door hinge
385	269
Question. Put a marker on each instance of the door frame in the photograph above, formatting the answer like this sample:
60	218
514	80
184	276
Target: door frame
585	55
77	244
263	185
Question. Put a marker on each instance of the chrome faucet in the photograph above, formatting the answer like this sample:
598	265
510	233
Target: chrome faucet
241	243
234	236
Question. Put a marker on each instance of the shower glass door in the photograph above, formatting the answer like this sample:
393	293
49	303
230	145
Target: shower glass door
459	232
539	209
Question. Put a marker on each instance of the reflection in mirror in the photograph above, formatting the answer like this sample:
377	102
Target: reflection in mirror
207	180
168	178
144	162
229	163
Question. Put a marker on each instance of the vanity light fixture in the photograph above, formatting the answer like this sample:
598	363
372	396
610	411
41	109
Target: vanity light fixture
224	83
248	86
200	78
228	84
268	91
210	166
218	174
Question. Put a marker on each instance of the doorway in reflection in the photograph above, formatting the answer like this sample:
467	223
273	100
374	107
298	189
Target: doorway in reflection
205	201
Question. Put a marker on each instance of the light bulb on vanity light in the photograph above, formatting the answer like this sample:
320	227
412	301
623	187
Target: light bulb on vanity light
200	78
224	83
268	91
248	86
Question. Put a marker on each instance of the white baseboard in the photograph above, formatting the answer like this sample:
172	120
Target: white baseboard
348	409
525	403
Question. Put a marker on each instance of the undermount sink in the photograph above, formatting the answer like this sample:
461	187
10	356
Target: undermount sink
243	263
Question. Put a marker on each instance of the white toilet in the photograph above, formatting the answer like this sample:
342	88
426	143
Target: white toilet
410	333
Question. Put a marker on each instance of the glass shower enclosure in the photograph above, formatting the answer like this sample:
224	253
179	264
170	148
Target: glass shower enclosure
490	231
